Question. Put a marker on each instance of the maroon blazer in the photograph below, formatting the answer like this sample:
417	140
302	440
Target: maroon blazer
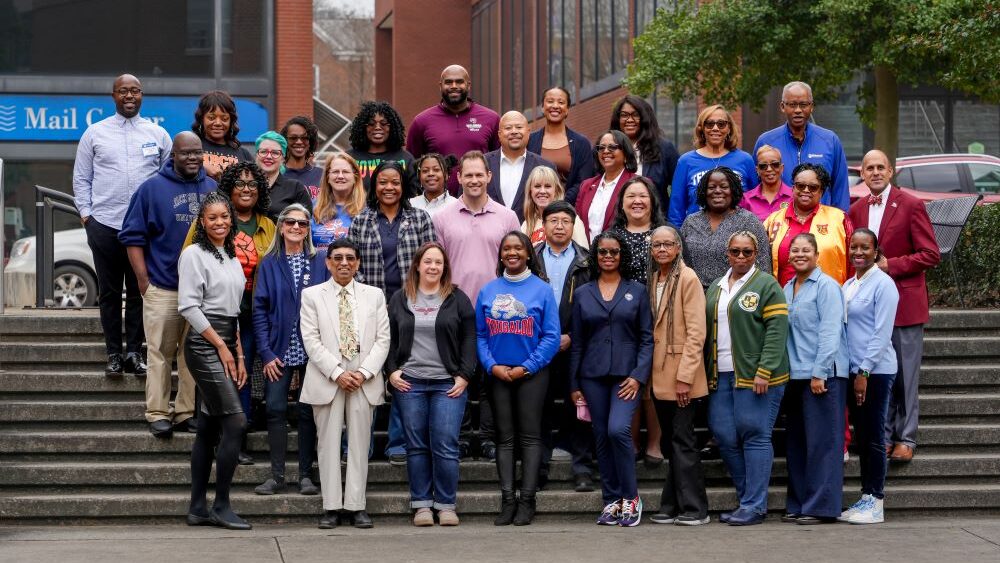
586	196
907	240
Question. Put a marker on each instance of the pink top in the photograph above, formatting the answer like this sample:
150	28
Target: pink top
472	241
755	203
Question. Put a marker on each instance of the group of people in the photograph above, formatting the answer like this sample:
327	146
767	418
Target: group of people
581	292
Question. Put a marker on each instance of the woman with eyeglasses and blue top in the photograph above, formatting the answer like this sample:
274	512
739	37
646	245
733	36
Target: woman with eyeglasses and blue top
747	366
282	191
814	401
871	298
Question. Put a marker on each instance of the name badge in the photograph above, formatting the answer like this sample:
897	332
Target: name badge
150	149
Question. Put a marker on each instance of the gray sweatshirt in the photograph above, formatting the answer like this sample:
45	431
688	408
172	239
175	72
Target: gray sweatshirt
207	287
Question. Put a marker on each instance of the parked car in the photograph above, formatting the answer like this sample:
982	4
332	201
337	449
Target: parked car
74	280
941	176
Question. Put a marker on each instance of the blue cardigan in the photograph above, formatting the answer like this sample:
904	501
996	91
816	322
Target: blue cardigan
817	335
583	159
613	338
871	314
276	302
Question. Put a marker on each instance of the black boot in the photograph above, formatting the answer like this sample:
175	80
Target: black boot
525	511
508	506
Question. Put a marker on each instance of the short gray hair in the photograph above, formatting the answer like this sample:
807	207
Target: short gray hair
796	84
278	243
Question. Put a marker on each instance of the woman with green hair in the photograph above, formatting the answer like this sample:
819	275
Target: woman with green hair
271	149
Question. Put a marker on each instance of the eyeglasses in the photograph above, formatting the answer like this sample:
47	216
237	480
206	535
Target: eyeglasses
293	222
184	155
811	188
629	116
349	258
609	251
796	105
126	91
248	186
383	124
558	222
609	148
341	173
765	165
269	152
657	245
712	124
297	139
744	252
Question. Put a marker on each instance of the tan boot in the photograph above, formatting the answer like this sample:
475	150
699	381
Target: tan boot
423	518
447	518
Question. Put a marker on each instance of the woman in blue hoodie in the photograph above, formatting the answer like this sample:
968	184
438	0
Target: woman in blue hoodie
517	335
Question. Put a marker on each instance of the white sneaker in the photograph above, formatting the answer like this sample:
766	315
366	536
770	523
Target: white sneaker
559	454
847	456
853	509
871	513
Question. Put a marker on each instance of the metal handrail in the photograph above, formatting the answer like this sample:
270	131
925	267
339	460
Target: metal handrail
3	227
47	200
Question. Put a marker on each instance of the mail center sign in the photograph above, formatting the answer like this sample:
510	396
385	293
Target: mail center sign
65	118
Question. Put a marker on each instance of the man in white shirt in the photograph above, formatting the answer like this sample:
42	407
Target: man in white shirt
512	163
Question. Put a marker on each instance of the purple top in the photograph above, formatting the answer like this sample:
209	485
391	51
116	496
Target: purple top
755	203
438	129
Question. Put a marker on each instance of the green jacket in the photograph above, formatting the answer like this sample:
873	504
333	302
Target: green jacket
758	329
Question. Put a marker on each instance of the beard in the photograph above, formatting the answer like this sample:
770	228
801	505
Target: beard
462	97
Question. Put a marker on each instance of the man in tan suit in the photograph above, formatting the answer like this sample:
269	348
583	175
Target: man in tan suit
345	332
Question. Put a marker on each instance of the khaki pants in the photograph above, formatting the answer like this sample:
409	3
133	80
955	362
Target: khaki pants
355	408
165	330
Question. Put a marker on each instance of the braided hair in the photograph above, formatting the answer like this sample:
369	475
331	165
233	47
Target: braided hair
201	237
359	136
234	172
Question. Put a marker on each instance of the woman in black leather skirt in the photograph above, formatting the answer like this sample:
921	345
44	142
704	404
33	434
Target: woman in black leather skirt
208	297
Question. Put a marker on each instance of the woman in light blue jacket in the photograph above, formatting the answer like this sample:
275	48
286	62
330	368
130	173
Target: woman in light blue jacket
871	298
814	401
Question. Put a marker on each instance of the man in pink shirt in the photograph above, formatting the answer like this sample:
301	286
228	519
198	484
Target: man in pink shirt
470	230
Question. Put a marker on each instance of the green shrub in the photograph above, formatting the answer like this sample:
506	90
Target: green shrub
977	262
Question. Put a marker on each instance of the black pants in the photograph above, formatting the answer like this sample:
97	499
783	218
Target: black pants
113	269
684	489
478	391
517	411
573	435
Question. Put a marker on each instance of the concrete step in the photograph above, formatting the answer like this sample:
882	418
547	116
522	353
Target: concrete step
960	378
963	347
75	353
82	410
173	502
963	321
960	405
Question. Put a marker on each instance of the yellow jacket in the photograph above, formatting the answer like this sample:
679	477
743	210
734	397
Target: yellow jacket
830	226
261	239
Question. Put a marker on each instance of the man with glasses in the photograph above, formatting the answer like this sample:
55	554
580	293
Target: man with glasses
114	156
800	141
155	226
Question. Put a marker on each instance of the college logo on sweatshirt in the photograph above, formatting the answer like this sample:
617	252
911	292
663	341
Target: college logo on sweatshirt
186	206
509	316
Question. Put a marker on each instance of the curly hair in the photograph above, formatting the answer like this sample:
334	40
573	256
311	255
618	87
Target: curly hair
533	262
624	255
372	199
227	183
735	187
445	162
397	131
312	132
223	101
655	212
821	174
201	237
648	141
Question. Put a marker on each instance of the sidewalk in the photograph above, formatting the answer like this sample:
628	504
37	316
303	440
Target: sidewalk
552	539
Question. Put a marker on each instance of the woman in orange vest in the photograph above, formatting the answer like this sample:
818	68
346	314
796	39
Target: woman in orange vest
805	214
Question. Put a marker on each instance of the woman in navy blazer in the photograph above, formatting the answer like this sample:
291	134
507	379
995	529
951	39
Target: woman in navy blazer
555	109
290	265
657	156
611	356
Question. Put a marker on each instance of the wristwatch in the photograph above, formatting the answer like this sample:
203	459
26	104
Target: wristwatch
864	373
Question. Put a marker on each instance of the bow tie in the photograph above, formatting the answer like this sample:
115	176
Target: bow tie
875	199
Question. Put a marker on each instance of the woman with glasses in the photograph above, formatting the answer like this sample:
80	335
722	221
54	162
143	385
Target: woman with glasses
341	198
282	191
303	139
291	264
595	202
706	232
611	353
655	156
216	124
560	145
831	226
377	136
716	138
772	193
747	366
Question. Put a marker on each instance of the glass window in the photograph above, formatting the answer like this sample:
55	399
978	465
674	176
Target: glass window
921	127
840	115
904	178
985	177
941	178
20	178
677	121
604	38
485	54
562	43
976	122
243	35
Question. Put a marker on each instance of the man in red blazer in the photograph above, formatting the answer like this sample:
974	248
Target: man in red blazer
908	249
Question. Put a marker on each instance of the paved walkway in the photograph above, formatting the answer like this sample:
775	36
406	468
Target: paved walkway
910	540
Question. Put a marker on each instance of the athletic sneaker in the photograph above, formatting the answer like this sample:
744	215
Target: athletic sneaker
662	518
685	520
871	513
631	512
612	512
853	509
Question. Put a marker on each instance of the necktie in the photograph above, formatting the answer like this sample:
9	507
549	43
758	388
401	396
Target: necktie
875	199
349	345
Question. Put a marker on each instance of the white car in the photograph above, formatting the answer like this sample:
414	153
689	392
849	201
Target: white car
74	280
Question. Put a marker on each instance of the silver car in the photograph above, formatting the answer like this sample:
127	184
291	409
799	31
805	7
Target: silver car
74	280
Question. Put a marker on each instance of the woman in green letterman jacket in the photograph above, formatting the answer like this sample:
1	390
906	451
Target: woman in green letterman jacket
747	365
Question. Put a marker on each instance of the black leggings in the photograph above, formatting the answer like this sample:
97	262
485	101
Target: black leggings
517	409
226	431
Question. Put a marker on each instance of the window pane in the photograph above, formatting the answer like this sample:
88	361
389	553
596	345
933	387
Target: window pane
20	178
976	123
985	177
677	121
243	36
840	116
588	40
942	178
921	127
644	12
620	36
562	43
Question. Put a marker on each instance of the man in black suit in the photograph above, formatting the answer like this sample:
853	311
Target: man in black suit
511	164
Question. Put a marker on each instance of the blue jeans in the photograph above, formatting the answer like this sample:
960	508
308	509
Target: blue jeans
397	438
742	421
276	399
869	425
612	421
431	421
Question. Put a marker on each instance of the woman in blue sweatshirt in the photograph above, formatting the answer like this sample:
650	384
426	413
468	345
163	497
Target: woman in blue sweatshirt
517	335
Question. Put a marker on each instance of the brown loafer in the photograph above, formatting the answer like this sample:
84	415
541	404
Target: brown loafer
901	453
